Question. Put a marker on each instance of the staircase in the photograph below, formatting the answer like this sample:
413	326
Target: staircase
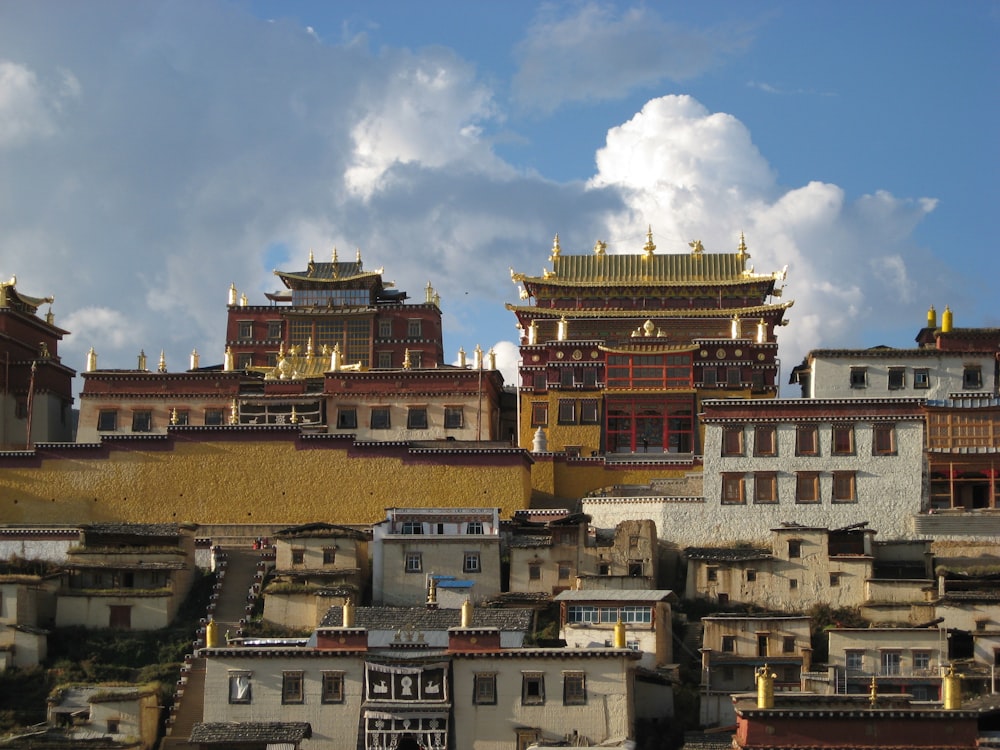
240	573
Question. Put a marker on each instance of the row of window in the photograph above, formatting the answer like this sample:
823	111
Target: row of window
972	377
807	440
570	411
592	614
890	660
484	690
142	419
763	641
380	418
420	527
385	360
712	574
842	487
472	562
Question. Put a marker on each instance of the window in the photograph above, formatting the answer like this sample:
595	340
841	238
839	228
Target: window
590	377
474	527
855	660
107	420
842	440
413	329
897	378
565	569
385	329
922	659
538	381
635	568
329	555
274	329
806	487
709	377
244	361
574	689
603	569
484	689
414	562
332	687
765	487
756	381
567	411
844	487
291	687
890	662
539	414
113	726
729	644
534	571
142	421
788	644
471	563
566	377
213	417
526	738
794	548
416	418
834	579
733	377
859	377
380	418
732	489
764	442
532	689
972	377
298	556
180	418
712	573
751	575
884	439
732	441
384	360
807	440
921	378
793	584
239	687
589	412
347	418
454	419
245	329
411	527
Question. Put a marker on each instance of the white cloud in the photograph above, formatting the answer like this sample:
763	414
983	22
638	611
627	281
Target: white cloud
28	108
103	327
594	51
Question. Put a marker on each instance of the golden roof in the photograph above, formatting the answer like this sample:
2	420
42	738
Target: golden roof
684	312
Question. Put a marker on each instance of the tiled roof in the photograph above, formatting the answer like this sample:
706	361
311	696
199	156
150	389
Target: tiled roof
616	595
321	530
705	268
134	529
233	732
530	540
421	618
724	554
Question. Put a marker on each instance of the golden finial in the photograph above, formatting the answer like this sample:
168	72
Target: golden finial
428	293
696	248
309	347
649	247
600	247
228	361
294	419
311	260
243	300
91	360
162	366
234	413
49	317
742	253
195	359
556	250
491	359
173	415
357	259
232	294
406	359
335	254
873	694
142	359
461	356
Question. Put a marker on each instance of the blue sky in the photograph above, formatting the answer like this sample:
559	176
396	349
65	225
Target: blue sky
153	153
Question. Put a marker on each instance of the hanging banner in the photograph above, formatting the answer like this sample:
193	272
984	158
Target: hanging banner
397	684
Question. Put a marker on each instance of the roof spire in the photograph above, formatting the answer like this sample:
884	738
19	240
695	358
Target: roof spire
649	247
310	256
742	254
334	253
357	259
162	366
600	247
556	250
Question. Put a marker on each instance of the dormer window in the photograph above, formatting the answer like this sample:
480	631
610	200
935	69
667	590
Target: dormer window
972	377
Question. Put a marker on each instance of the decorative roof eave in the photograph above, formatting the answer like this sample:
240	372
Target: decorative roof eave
286	276
699	312
719	411
555	282
649	347
886	352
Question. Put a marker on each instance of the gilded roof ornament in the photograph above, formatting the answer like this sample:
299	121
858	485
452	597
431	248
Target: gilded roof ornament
232	294
556	249
234	412
142	359
600	247
173	416
742	253
334	253
697	249
162	366
649	247
294	419
49	317
357	258
407	363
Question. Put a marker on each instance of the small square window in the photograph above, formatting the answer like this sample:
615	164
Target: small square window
855	660
921	378
733	377
972	377
142	421
897	378
347	418
566	377
484	689
180	418
380	418
244	361
765	487
884	439
333	687
590	377
729	644
859	377
807	440
574	689
107	420
245	329
113	726
765	442
732	441
239	688
712	574
291	687
454	418
298	557
471	563
385	329
842	440
274	329
709	377
844	487
416	418
414	329
835	579
539	414
414	562
751	575
567	411
329	555
384	360
589	411
534	572
411	527
921	659
213	417
565	569
794	548
474	527
793	584
788	644
533	689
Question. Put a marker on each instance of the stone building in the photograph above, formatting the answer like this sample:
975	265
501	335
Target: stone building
901	660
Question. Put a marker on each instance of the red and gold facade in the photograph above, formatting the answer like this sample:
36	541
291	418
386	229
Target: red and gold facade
618	350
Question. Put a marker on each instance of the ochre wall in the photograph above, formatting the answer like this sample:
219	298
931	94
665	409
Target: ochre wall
252	478
556	478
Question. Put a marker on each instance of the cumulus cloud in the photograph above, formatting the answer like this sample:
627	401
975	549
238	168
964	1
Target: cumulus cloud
595	52
29	108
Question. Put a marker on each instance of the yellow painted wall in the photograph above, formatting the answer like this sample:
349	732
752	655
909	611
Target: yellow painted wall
557	478
257	481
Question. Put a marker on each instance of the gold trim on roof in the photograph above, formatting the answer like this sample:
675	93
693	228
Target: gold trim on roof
701	312
331	279
649	348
